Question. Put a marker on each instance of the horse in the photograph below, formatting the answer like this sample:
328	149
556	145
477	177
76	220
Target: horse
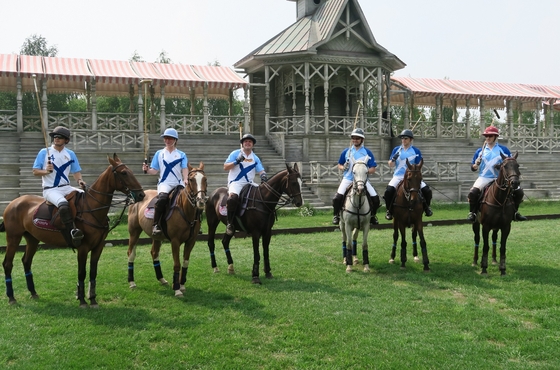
496	211
182	225
407	211
355	217
91	209
256	218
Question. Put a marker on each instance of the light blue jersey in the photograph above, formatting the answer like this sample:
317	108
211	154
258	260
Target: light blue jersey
170	166
400	155
65	163
353	155
489	159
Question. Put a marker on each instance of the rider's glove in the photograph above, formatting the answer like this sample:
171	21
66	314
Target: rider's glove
240	159
263	177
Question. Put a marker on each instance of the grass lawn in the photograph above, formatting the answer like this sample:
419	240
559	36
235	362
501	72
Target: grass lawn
312	315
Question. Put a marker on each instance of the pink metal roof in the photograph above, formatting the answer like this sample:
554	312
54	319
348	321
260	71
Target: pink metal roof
66	74
8	72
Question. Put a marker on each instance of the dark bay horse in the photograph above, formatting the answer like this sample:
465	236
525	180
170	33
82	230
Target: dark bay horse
355	217
496	211
407	211
91	211
258	218
181	226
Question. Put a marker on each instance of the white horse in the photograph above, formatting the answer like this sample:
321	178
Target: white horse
355	216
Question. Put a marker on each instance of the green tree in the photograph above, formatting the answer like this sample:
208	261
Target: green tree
37	45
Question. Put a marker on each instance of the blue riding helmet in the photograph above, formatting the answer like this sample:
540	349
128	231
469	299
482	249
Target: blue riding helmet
171	132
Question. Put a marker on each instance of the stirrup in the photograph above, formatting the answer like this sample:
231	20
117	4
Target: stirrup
388	215
519	217
77	236
230	230
336	220
156	230
471	217
373	221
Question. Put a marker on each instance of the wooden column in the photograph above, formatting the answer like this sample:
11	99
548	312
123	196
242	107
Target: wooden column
19	109
481	113
326	94
538	119
509	117
93	105
551	117
306	92
205	109
162	109
468	117
439	107
44	106
141	123
380	103
246	109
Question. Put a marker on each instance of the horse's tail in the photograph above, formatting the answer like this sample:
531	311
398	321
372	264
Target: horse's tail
2	227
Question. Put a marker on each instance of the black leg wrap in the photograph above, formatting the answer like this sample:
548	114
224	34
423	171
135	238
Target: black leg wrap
130	271
157	268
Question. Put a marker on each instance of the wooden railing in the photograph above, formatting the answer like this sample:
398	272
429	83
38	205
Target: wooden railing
322	172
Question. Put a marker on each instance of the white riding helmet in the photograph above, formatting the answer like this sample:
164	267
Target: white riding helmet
358	132
171	132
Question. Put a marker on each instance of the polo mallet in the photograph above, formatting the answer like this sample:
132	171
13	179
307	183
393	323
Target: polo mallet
419	118
240	135
43	129
146	82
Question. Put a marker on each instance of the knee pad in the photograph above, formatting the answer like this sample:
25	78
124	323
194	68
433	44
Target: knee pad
474	194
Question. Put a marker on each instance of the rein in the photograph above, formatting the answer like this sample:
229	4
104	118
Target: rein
191	197
504	187
87	193
276	194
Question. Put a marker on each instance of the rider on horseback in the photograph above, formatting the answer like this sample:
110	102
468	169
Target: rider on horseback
347	158
242	165
485	160
399	155
172	166
54	164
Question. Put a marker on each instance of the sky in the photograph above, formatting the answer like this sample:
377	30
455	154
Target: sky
512	41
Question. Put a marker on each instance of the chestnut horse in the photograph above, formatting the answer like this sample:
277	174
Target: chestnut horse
258	217
91	210
181	226
496	211
355	217
407	211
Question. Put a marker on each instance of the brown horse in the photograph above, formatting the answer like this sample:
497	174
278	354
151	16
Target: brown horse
407	211
181	226
258	217
91	217
496	211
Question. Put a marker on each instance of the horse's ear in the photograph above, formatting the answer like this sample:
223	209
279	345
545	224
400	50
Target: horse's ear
296	167
201	166
515	155
189	166
112	161
503	155
408	164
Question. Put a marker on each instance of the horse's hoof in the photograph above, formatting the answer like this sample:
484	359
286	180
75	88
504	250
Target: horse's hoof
344	261
403	268
35	296
182	288
355	261
84	305
132	285
416	259
216	270
256	280
391	261
269	275
348	269
12	301
474	264
178	293
483	274
427	270
366	268
94	305
230	269
494	262
162	281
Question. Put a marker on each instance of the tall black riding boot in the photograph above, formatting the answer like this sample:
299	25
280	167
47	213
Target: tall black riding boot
427	195
337	206
159	211
389	197
374	203
474	200
517	199
72	235
232	204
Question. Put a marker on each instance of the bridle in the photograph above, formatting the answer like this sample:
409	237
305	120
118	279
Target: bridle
408	190
193	196
507	179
